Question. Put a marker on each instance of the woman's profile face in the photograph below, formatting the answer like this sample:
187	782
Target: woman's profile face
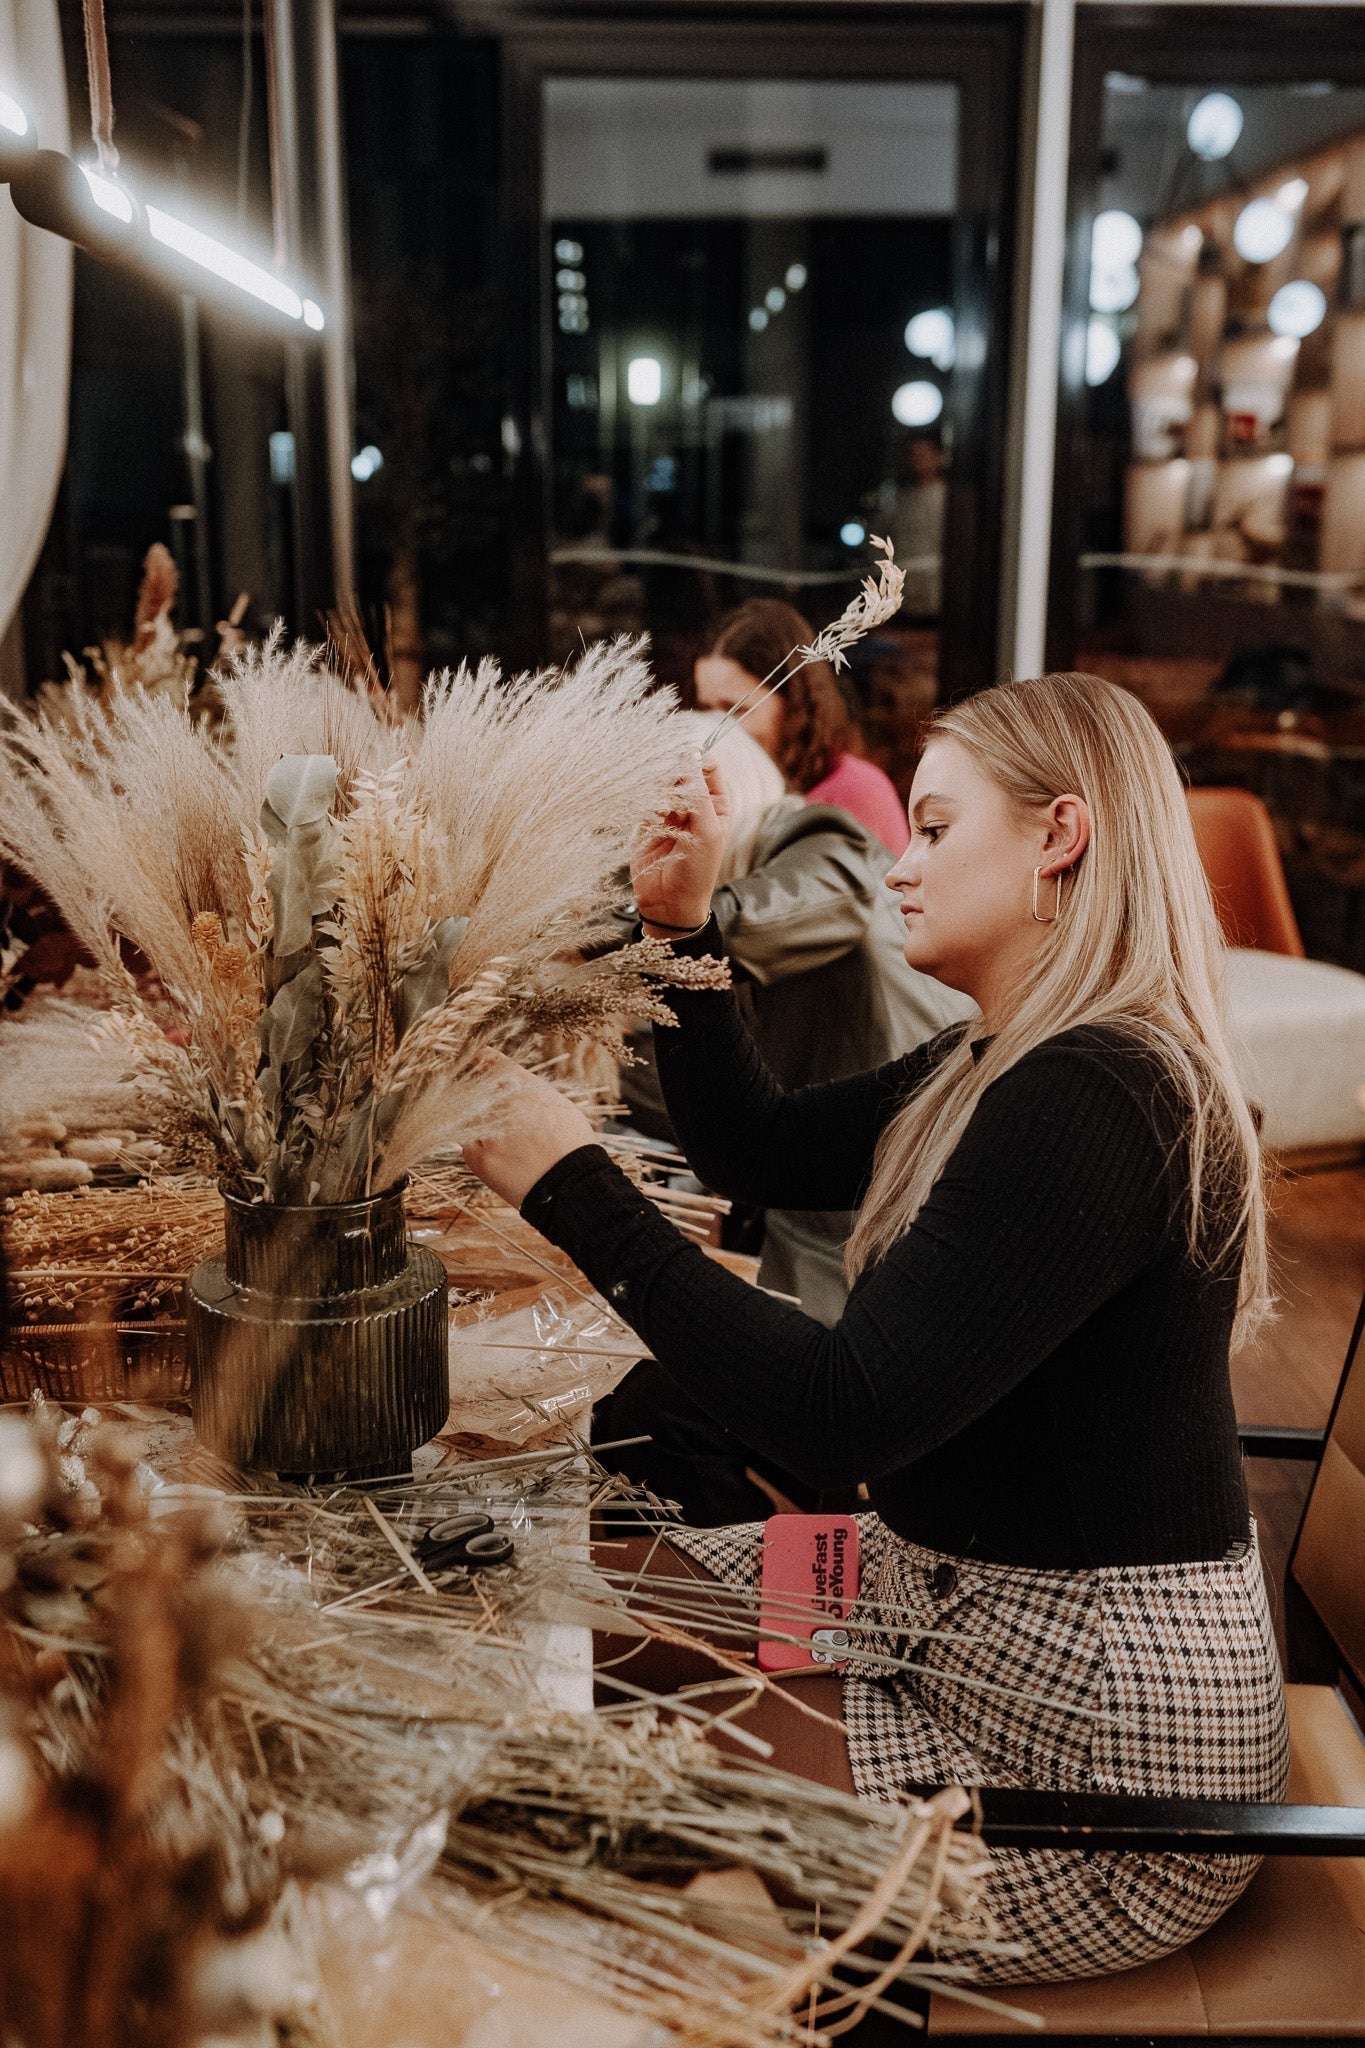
965	881
721	683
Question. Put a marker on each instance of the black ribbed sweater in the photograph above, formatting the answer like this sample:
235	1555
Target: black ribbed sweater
1035	1374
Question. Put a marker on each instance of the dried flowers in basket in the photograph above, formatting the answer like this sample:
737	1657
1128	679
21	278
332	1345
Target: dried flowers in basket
96	1282
341	919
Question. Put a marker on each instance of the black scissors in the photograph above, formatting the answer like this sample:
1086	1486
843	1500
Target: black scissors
468	1541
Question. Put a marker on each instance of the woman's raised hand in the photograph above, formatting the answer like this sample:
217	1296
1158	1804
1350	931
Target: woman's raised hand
677	865
535	1127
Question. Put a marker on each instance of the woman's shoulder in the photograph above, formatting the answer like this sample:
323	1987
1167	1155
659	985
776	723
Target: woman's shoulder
1110	1071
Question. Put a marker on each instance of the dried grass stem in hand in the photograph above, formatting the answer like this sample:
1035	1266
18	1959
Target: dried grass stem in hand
878	600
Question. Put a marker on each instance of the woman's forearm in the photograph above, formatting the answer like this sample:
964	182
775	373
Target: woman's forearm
1040	1218
748	1138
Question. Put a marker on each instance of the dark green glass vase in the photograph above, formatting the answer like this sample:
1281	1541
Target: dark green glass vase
317	1344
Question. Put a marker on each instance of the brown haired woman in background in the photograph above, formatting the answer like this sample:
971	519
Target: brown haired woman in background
807	726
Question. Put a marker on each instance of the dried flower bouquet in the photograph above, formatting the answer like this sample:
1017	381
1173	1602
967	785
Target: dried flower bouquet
314	926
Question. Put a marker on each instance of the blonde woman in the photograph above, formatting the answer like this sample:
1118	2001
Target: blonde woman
1061	1233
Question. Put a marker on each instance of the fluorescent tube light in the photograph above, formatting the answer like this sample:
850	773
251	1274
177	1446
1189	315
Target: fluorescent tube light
223	262
109	197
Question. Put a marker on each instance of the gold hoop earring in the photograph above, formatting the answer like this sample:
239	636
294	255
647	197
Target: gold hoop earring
1056	880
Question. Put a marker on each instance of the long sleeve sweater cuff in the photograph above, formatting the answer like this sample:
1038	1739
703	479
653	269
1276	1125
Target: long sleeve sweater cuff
699	945
613	1233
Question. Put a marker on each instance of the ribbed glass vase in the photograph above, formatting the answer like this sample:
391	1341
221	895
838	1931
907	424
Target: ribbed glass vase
317	1343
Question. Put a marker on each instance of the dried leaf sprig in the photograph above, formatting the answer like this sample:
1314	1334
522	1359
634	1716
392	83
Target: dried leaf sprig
878	599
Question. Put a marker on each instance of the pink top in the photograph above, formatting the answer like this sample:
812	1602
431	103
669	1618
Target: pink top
860	788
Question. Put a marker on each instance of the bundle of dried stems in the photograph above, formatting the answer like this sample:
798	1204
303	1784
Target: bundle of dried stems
370	1720
136	1244
341	918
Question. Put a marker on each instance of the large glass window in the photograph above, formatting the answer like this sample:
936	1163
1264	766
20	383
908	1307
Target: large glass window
1211	504
753	338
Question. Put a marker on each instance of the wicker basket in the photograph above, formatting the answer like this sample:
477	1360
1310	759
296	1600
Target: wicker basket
96	1362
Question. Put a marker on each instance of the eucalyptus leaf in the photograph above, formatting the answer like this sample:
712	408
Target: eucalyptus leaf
428	984
294	1018
299	790
302	884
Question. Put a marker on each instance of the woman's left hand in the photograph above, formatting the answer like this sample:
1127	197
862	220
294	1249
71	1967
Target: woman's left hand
536	1127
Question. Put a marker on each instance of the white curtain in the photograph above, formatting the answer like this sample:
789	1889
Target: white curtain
35	311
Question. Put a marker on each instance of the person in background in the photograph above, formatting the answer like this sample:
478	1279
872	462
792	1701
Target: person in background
806	726
814	943
914	524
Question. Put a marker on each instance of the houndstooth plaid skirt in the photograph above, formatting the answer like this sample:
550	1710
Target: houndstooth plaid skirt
1132	1678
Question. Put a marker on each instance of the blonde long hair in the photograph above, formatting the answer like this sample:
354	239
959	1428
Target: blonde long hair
1136	947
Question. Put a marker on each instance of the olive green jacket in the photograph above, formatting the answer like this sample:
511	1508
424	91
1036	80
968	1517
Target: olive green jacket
815	941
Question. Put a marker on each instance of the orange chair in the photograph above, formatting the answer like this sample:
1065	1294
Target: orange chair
1236	842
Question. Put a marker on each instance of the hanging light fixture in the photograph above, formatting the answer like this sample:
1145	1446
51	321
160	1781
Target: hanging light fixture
91	206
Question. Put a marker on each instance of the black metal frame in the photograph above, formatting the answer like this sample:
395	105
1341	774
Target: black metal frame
979	48
1256	45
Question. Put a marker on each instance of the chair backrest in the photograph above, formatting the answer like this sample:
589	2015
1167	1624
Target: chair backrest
1328	1559
1236	842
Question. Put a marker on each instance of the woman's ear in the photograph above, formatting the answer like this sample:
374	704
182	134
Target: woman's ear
1068	834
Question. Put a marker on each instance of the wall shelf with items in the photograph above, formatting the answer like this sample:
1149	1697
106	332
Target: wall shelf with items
1246	476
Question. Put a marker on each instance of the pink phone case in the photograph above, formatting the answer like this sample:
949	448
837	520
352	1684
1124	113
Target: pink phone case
809	1582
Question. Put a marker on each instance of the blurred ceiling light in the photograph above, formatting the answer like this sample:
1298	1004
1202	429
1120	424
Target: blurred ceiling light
1214	126
796	277
852	533
644	380
933	334
568	252
917	404
1115	245
1113	291
56	194
570	280
1279	465
1263	230
12	116
758	319
1102	352
367	463
1292	194
774	298
1115	239
1297	309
